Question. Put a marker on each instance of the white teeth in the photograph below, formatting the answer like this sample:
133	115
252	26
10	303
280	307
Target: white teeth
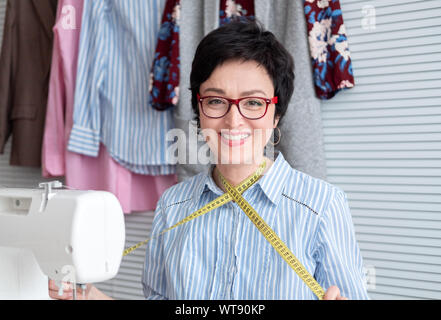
236	136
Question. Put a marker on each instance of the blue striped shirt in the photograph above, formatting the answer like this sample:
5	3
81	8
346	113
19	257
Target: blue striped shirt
222	255
116	50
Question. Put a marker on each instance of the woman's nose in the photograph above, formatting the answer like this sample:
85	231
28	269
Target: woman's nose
233	117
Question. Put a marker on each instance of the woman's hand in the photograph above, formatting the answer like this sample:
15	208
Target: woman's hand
90	293
333	293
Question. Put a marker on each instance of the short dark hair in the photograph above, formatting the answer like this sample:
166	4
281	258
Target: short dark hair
244	39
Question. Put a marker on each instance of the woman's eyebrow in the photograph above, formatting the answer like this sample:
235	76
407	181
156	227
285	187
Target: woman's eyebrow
215	90
251	92
243	94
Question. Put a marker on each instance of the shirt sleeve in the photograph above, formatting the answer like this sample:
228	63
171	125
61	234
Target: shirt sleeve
153	278
53	139
338	257
85	135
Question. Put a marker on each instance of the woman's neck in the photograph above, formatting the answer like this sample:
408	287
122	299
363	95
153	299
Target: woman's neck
236	173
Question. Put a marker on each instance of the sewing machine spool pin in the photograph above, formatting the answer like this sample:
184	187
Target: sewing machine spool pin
47	193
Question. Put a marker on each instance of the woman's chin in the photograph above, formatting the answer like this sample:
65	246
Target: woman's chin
237	156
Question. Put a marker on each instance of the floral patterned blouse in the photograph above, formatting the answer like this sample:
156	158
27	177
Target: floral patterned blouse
164	78
328	44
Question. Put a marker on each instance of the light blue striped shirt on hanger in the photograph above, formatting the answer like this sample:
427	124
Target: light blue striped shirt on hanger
116	51
222	255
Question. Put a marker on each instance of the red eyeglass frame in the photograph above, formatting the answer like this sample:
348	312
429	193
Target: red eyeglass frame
236	102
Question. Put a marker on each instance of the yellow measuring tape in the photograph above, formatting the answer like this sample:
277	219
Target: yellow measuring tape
236	195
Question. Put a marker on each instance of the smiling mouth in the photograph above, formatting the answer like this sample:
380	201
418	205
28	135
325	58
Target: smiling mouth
233	140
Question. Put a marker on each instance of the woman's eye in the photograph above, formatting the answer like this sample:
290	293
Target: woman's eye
216	101
254	103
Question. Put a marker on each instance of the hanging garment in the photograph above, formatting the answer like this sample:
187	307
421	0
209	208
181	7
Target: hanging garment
235	8
328	45
164	91
111	102
301	127
135	192
24	74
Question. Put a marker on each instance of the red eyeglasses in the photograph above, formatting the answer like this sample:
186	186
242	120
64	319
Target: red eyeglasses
252	108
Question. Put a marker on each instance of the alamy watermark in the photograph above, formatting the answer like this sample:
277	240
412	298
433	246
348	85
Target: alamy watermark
368	22
208	146
370	277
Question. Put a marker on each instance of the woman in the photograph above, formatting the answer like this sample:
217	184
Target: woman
241	81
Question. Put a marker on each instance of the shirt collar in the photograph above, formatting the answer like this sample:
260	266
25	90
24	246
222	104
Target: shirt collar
206	182
272	183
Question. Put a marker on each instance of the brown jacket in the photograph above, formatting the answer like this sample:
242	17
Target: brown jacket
24	77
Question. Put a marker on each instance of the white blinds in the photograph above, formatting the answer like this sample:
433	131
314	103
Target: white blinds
383	143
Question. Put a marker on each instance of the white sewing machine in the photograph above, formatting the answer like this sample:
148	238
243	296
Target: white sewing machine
65	235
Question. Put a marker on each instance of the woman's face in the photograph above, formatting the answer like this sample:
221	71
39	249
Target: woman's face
234	139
